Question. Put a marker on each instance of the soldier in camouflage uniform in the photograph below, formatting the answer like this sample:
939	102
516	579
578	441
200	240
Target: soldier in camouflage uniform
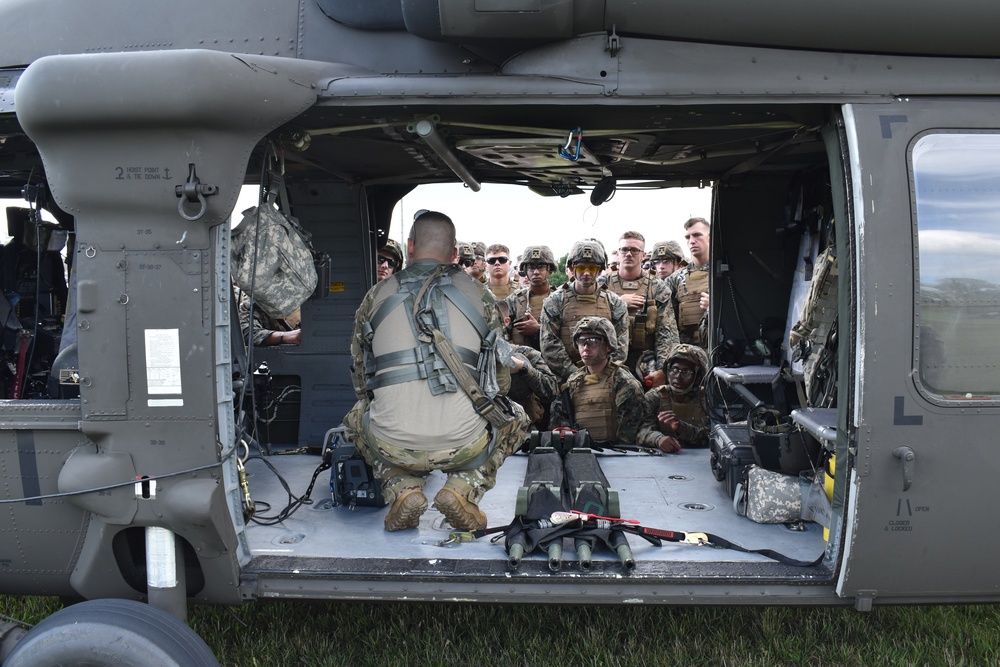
267	330
525	305
478	267
676	414
666	257
603	397
582	297
532	384
498	266
651	323
689	285
414	414
390	259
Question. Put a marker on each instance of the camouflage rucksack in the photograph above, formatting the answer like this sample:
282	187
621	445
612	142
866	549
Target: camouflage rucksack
285	271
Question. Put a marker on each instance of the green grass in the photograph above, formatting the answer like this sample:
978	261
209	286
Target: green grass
390	634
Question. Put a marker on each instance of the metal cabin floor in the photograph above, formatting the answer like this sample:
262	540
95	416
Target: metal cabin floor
673	492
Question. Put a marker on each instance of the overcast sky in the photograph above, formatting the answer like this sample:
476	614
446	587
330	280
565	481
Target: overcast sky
517	217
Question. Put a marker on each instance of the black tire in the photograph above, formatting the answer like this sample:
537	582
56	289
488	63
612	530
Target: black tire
112	632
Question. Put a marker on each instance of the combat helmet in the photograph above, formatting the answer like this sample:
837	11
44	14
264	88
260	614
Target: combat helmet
668	250
692	354
599	326
588	251
466	253
536	254
393	248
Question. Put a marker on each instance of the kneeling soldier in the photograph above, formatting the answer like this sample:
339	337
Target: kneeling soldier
676	415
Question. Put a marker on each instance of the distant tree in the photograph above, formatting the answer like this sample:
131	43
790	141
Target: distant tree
558	278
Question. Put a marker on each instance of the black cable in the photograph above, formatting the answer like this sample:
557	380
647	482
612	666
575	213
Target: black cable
118	485
294	502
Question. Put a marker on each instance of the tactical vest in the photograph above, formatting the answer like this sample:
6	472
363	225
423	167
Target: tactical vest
594	404
641	323
576	307
689	412
689	312
423	362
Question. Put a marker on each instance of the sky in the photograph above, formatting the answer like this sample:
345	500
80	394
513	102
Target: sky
517	217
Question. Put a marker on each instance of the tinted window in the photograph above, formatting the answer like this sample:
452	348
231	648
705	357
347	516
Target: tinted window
957	194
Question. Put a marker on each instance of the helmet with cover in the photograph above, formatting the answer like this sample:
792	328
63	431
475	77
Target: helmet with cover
587	252
392	247
537	254
668	250
597	326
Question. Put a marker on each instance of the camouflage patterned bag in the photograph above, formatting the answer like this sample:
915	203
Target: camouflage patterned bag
285	271
769	497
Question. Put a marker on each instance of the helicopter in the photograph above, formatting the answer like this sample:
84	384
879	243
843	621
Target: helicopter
129	470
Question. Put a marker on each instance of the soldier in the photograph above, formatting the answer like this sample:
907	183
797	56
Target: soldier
267	330
666	258
498	263
689	285
532	384
415	374
478	268
676	415
603	397
582	297
650	320
537	264
390	258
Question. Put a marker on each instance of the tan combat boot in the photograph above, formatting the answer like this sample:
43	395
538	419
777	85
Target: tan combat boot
406	511
461	513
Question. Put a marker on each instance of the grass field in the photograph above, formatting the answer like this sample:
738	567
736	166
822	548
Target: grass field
391	634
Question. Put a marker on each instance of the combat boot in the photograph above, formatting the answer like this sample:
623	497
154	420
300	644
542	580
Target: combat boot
461	513
406	511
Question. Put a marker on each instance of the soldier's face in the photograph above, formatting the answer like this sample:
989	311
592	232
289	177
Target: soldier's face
498	268
697	239
538	274
386	266
593	349
664	267
680	374
478	267
630	254
586	274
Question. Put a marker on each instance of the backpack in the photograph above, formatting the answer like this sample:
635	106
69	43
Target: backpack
283	272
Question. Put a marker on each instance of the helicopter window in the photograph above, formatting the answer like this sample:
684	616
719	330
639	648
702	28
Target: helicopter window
956	179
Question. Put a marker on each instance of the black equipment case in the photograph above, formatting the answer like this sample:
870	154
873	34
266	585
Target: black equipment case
732	453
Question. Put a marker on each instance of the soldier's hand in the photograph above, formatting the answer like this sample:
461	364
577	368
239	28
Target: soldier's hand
703	301
517	362
633	301
669	419
669	445
528	325
655	379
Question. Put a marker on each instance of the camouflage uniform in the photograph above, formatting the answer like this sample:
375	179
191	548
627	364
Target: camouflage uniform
690	406
263	324
678	284
534	386
663	327
618	412
402	443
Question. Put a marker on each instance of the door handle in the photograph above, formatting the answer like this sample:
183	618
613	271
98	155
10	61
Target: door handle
906	455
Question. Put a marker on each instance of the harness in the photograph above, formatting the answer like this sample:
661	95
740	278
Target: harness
424	361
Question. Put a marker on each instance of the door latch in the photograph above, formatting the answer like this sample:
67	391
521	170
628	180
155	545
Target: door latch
906	455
